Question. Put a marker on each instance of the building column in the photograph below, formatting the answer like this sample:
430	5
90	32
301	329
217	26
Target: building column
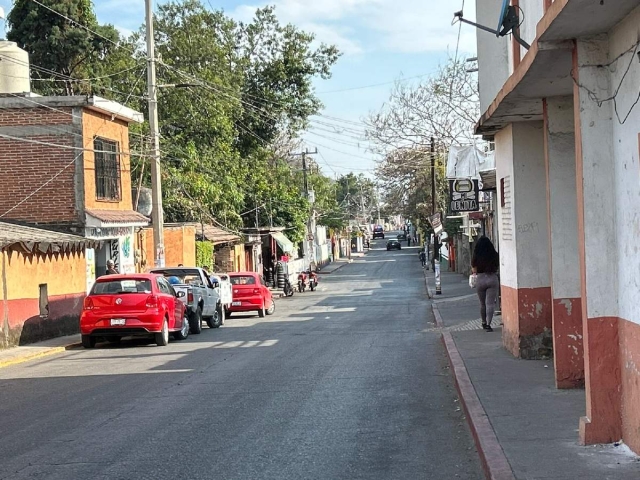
564	260
595	170
524	240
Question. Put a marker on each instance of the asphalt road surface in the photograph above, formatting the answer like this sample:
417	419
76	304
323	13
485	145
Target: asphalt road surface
348	382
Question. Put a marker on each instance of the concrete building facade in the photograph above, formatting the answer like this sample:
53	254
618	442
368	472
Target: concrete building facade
565	118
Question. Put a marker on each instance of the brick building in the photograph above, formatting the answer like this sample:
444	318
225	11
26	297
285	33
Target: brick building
65	164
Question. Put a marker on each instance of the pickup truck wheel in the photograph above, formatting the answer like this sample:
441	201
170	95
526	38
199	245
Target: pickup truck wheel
184	332
262	312
88	341
195	321
162	337
216	320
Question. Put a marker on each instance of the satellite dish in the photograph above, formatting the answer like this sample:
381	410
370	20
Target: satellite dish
503	14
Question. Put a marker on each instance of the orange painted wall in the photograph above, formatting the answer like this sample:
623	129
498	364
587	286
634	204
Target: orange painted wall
95	124
179	246
20	277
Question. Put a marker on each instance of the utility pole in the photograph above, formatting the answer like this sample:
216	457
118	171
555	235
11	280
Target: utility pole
157	215
436	243
309	230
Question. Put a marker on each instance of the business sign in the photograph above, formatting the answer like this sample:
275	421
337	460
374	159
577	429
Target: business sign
436	223
464	195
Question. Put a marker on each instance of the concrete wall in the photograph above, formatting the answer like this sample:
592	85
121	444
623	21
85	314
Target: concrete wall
532	12
563	236
524	242
179	247
625	146
493	62
507	236
20	278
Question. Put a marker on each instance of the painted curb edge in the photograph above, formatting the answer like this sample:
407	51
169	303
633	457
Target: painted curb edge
34	356
494	461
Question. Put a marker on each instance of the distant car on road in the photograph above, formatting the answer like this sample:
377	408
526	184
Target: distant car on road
250	294
378	232
394	245
133	305
402	236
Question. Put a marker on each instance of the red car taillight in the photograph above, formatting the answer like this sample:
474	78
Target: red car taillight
88	303
190	297
152	301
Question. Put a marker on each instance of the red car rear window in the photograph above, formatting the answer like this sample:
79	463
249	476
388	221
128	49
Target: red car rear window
242	280
118	287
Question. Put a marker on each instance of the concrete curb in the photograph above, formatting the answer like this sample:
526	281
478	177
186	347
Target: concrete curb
430	292
34	356
494	461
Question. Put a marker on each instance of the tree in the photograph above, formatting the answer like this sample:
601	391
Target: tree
444	107
61	48
357	196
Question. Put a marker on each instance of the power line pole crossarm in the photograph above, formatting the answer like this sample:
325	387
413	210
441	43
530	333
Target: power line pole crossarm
157	215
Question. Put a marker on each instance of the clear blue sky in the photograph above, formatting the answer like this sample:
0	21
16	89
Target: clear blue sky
382	40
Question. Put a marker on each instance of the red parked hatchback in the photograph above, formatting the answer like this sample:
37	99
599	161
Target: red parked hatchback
250	294
133	305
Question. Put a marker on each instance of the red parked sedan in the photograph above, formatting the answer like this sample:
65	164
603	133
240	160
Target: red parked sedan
133	305
250	294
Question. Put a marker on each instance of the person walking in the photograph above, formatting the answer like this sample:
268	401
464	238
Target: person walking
485	264
423	258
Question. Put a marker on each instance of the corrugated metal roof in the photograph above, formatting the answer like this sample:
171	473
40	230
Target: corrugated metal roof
118	216
39	240
216	235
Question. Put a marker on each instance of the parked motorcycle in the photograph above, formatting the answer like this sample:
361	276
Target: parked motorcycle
308	279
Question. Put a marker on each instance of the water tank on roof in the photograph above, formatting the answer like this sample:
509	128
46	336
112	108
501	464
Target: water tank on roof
14	69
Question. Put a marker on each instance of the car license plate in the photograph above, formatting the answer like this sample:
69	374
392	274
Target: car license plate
118	321
236	304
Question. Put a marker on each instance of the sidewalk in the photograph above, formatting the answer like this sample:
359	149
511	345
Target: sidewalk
24	353
524	427
333	266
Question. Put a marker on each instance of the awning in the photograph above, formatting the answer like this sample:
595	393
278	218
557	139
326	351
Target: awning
488	180
114	218
216	235
32	240
285	244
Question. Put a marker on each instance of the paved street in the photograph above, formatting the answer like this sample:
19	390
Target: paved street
348	382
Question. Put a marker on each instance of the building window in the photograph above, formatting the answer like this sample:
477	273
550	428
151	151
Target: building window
107	169
44	300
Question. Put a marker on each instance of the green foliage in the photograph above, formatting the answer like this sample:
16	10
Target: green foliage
59	45
204	254
246	86
357	195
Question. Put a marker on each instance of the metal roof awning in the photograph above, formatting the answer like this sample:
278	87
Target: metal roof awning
115	218
488	180
216	235
32	240
285	244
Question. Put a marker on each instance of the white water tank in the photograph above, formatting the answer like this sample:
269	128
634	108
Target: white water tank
14	69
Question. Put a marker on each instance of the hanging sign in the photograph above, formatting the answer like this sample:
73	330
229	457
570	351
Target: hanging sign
464	195
436	223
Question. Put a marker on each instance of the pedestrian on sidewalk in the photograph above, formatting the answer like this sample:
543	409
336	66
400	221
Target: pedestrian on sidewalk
485	264
423	258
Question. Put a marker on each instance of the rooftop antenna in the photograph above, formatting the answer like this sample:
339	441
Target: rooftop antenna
508	22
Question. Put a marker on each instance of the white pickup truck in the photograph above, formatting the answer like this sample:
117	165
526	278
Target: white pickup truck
202	298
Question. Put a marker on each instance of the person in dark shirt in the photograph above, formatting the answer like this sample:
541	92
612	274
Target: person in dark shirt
485	263
111	268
